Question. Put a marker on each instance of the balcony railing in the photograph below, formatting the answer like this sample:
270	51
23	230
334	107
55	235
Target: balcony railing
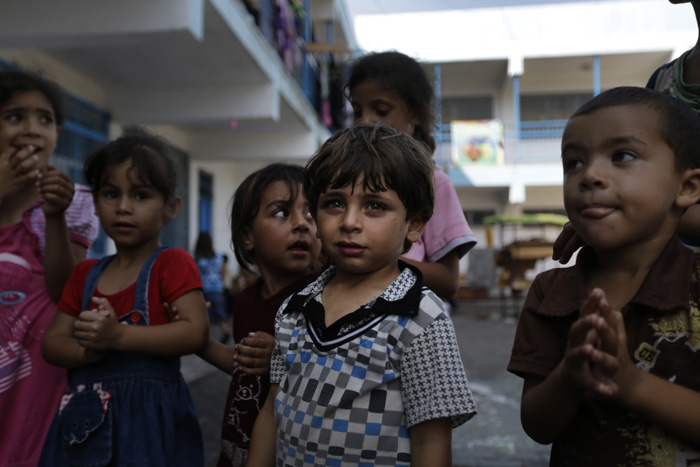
535	142
529	130
286	29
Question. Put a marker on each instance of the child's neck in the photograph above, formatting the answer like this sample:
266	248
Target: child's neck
347	292
620	273
15	204
124	268
272	284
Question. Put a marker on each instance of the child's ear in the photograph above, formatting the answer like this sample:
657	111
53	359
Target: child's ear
247	238
415	229
415	120
172	206
689	190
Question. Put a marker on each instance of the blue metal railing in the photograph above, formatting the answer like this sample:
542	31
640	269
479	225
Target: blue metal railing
542	129
529	130
306	71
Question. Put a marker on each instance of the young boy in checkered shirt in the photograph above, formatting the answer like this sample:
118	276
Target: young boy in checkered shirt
366	369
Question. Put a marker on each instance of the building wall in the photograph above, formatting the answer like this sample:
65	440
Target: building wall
70	79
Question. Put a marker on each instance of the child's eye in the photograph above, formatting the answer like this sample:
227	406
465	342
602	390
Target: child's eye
332	204
572	164
281	213
142	195
382	112
47	120
375	206
623	156
110	194
13	117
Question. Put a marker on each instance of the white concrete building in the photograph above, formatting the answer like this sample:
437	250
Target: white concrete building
528	64
200	73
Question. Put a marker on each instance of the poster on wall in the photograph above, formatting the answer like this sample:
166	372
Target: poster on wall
477	142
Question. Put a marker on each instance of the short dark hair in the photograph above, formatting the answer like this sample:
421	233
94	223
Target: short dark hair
204	247
405	76
13	82
678	123
245	203
150	160
384	158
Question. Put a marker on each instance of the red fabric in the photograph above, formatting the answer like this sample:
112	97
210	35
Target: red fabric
246	394
174	274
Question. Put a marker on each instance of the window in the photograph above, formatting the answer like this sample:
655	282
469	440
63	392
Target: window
466	108
551	106
476	218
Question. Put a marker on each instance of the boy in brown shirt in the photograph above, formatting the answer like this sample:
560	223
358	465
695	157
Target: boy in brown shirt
621	387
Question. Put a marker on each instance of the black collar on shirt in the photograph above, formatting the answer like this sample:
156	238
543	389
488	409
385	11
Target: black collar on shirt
666	287
347	327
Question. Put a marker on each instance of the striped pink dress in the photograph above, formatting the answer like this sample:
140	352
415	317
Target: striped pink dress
30	388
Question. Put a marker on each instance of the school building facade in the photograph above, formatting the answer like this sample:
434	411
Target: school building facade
231	85
236	84
524	69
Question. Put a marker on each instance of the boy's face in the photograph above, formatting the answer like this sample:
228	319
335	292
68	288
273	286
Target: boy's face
620	180
363	232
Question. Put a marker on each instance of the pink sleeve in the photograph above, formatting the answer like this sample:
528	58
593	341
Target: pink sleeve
80	217
447	229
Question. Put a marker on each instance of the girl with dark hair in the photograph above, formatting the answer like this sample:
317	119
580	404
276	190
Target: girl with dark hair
393	88
46	227
128	403
212	271
272	233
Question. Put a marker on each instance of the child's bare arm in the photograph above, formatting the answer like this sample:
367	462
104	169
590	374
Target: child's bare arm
218	354
189	334
253	353
263	441
672	406
549	404
442	277
431	443
61	254
60	348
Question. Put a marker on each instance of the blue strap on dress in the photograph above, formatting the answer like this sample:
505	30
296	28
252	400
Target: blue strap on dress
130	408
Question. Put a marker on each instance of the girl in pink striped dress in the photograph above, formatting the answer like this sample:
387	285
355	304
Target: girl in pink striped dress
46	227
